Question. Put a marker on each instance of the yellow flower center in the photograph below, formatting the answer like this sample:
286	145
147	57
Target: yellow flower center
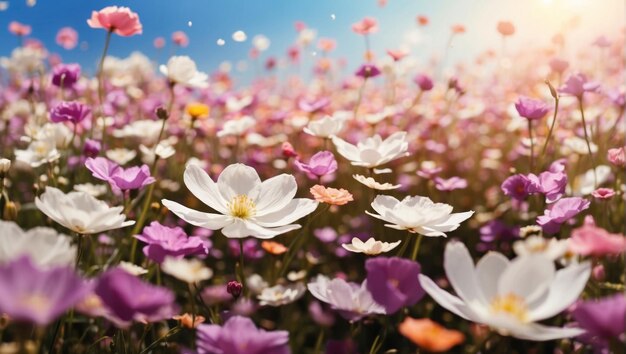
242	207
512	305
36	302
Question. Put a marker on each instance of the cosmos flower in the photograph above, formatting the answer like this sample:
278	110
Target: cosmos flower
509	296
190	271
577	84
44	245
239	335
331	196
237	127
351	300
603	319
591	240
371	183
182	70
617	156
74	112
417	215
393	282
166	241
67	38
561	211
450	184
180	39
19	29
430	335
531	109
279	295
321	164
550	184
119	20
367	71
371	247
506	28
550	248
65	75
326	127
424	82
373	151
366	26
246	206
80	212
119	178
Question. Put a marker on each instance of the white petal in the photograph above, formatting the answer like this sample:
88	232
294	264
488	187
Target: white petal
527	277
237	179
460	271
453	221
446	300
537	332
240	229
203	187
293	211
488	270
198	218
275	193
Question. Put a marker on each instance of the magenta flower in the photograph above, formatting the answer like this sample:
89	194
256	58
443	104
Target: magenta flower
577	84
166	241
39	296
603	319
135	177
239	335
560	212
552	185
603	193
590	240
128	298
617	156
321	164
393	282
367	70
516	187
531	109
65	75
424	82
74	112
450	184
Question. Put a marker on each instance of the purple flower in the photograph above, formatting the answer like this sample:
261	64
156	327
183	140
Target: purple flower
393	282
604	318
367	70
326	234
239	335
169	241
424	82
251	249
119	178
494	231
321	164
552	185
65	75
516	187
557	166
313	106
72	111
450	184
531	109
352	301
128	298
560	212
577	84
39	296
92	148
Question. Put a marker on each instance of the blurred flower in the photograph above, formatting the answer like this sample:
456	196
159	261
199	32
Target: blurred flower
331	196
182	70
274	248
393	282
517	187
604	319
67	37
119	178
321	164
119	20
371	247
239	335
351	300
260	42
189	321
44	245
320	315
373	151
65	75
552	185
559	65
326	45
180	39
506	28
237	127
591	240
561	211
367	70
314	105
159	42
80	212
424	82
19	29
450	184
326	127
166	241
551	248
190	271
366	26
121	156
603	193
617	157
531	109
371	183
458	29
197	110
509	296
279	295
397	54
132	268
430	335
74	112
422	20
577	84
417	215
246	206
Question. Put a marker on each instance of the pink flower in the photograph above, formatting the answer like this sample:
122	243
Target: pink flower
458	29
366	26
159	42
506	28
326	45
450	184
603	193
119	20
590	240
617	157
67	37
180	39
19	29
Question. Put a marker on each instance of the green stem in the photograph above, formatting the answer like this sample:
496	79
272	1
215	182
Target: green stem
593	163
79	250
242	273
532	145
416	247
156	342
556	110
101	86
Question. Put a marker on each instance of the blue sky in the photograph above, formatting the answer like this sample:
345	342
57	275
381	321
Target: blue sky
536	22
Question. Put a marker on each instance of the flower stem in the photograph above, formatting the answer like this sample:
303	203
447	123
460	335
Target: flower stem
556	110
79	250
532	145
359	99
593	163
416	247
242	273
101	87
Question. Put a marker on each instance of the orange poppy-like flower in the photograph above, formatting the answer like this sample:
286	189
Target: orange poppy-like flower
187	320
331	196
274	248
198	110
506	28
422	20
458	29
430	335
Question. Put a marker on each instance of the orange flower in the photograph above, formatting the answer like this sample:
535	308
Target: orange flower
198	110
186	320
506	28
422	20
274	248
458	29
331	195
430	335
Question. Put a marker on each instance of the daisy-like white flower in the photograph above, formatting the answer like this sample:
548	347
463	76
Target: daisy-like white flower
188	270
147	130
246	206
120	155
373	151
80	212
182	70
371	183
38	153
95	190
326	127
279	295
237	127
418	215
133	269
509	296
551	248
43	245
371	247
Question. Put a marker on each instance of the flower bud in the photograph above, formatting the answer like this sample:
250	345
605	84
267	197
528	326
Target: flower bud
552	90
5	165
162	113
234	288
10	211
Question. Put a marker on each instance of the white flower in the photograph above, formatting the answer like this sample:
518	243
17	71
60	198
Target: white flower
371	183
120	155
5	165
246	206
163	150
262	141
256	283
188	270
182	70
279	295
26	60
352	300
38	153
236	127
80	212
371	247
239	36
325	127
43	245
552	248
95	190
147	130
509	296
374	151
235	105
260	42
585	183
418	215
578	146
133	268
306	36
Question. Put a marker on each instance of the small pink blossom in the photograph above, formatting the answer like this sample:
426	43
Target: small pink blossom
366	26
19	29
180	39
591	240
119	20
67	37
603	193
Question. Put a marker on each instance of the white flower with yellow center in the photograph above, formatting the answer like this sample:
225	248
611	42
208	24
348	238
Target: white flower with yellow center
246	206
371	247
371	183
279	295
509	296
373	151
